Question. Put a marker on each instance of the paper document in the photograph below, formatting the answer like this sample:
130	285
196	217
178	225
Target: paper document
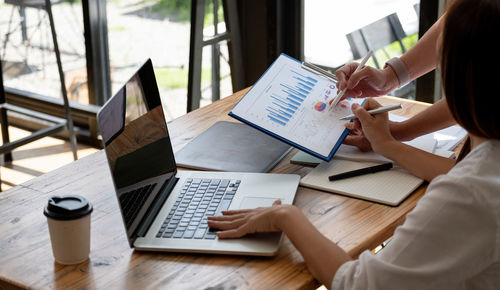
290	103
447	139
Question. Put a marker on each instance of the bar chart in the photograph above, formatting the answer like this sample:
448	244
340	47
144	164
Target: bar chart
285	103
292	102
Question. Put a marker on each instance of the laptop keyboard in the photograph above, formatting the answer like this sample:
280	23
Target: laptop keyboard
132	201
198	199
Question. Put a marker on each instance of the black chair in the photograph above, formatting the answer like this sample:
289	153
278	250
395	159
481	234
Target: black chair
59	123
377	36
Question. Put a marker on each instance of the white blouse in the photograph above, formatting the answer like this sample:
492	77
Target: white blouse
451	240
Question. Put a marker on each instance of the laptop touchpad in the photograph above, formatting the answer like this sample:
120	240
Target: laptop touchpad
254	202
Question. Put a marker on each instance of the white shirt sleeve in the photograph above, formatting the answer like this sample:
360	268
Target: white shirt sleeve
446	240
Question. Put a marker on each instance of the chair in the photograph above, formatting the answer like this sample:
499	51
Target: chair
197	42
379	35
59	123
21	6
376	35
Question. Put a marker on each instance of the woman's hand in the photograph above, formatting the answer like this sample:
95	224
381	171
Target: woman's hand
322	256
374	128
356	137
367	82
237	223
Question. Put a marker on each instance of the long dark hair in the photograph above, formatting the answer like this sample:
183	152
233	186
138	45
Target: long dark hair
470	65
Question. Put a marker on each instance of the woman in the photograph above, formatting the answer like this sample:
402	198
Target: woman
451	240
372	82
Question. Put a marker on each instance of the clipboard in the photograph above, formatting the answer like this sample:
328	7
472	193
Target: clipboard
290	102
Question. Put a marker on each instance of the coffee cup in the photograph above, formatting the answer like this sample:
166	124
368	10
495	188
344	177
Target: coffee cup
68	218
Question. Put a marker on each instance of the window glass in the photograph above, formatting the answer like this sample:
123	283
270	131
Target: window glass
27	50
328	22
160	30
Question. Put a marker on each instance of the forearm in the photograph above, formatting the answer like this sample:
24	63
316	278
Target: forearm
422	58
322	256
420	163
434	118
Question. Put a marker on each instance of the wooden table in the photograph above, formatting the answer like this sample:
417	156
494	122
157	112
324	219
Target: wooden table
26	256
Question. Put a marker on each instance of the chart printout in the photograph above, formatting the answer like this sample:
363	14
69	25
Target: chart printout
293	103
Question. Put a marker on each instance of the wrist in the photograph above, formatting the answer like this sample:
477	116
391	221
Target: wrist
386	148
397	130
391	78
401	131
400	71
284	216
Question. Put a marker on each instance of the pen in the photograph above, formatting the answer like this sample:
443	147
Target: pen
362	171
334	102
374	111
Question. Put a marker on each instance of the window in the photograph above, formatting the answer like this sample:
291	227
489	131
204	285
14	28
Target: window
160	30
328	22
27	51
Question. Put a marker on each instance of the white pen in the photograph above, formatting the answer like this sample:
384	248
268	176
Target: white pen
374	111
319	71
334	102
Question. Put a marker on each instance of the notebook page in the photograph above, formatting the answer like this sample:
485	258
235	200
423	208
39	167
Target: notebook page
387	187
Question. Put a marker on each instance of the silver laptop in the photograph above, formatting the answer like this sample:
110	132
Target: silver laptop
164	209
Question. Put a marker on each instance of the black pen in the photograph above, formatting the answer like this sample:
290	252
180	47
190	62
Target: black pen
362	171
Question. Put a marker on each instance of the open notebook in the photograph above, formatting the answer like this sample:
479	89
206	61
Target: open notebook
389	187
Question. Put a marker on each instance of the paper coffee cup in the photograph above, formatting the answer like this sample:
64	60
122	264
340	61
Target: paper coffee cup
68	218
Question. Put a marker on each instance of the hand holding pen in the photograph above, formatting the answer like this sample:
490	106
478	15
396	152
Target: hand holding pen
368	82
375	128
378	110
341	93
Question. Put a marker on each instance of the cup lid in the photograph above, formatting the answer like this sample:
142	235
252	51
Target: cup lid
67	207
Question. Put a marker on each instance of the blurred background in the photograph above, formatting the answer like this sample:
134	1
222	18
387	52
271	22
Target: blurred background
201	50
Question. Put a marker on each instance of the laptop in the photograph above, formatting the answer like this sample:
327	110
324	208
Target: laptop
164	209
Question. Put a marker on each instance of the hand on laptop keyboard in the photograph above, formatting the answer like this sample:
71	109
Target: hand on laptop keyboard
198	199
237	223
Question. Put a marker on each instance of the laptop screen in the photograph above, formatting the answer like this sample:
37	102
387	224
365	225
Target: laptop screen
137	146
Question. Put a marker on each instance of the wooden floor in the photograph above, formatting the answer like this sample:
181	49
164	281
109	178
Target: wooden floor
37	158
